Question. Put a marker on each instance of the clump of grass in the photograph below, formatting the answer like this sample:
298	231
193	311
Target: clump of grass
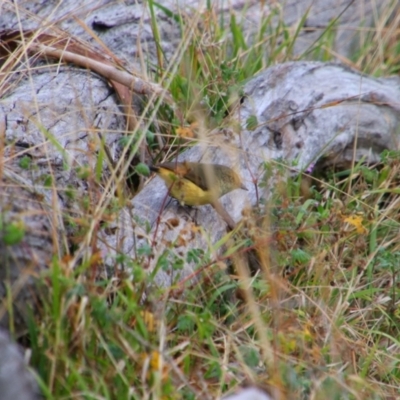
319	317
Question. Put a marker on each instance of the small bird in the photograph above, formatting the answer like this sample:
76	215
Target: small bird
196	184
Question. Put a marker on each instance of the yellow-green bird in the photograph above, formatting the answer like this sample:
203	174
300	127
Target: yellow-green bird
196	184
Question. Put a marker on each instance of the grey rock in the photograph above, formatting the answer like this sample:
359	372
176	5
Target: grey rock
16	380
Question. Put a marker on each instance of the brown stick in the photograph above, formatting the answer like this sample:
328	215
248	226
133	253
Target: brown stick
136	84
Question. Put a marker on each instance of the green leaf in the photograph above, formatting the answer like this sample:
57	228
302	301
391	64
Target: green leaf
150	137
251	123
25	162
194	255
251	356
145	250
48	180
185	323
299	255
142	169
13	233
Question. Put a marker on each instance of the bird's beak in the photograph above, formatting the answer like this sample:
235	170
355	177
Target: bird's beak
243	187
153	168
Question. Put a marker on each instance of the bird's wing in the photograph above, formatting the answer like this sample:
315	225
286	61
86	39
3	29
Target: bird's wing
193	172
198	174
